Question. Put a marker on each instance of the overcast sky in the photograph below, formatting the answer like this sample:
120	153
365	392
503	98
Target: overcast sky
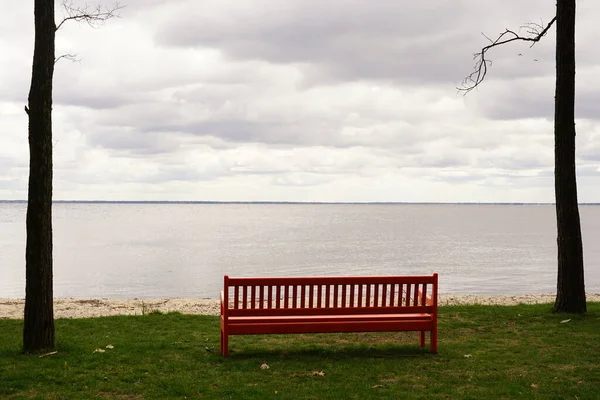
300	100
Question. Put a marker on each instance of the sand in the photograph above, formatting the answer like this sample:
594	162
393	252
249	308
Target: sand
86	308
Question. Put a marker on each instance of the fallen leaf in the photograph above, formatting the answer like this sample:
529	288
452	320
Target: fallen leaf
99	351
320	373
48	354
580	382
564	321
468	355
264	366
110	346
534	385
376	386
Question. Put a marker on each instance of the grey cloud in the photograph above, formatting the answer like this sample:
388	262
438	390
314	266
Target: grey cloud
132	142
589	171
534	98
7	163
93	100
274	133
300	179
408	42
161	174
183	173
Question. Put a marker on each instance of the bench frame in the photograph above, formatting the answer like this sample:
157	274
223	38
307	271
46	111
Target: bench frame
329	304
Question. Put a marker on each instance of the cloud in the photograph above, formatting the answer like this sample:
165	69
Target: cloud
401	42
296	100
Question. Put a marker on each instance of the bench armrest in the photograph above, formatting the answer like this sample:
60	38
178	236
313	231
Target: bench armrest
223	305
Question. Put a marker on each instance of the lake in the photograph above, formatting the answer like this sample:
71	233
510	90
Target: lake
133	250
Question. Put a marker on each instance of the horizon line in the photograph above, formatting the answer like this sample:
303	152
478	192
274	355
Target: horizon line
288	202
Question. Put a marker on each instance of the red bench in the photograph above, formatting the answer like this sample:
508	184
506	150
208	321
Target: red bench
329	304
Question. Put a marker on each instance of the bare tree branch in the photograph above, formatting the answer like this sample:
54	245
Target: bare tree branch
533	33
95	16
68	56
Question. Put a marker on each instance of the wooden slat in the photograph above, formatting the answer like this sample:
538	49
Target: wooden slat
270	296
400	294
335	296
424	296
384	295
376	296
236	297
360	293
294	296
311	327
337	318
319	295
352	289
333	311
244	297
407	295
286	298
415	295
311	296
261	297
303	297
278	299
368	296
392	294
327	295
331	280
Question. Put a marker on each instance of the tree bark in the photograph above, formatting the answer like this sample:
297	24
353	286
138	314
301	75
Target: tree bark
38	330
570	291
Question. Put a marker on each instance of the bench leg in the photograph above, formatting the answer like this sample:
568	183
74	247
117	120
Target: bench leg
422	339
224	344
433	343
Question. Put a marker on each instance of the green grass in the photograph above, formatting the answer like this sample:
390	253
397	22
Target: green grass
485	352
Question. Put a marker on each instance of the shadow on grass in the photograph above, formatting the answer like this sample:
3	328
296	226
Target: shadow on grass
355	352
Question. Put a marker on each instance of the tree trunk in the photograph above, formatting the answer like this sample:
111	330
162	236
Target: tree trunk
570	291
38	330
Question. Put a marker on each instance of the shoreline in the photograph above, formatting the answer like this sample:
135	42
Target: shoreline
89	308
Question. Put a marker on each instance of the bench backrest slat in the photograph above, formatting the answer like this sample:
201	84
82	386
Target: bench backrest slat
317	295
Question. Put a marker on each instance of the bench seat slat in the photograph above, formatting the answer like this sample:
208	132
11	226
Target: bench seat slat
329	327
326	318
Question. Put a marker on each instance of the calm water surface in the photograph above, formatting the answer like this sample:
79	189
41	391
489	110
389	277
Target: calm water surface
183	250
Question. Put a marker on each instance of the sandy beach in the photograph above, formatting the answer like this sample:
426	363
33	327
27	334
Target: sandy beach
86	308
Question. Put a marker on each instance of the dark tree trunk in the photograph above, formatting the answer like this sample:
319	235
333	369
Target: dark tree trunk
38	331
570	291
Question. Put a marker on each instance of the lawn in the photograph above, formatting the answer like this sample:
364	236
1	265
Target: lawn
485	352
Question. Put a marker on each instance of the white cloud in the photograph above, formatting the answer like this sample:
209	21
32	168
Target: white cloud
299	101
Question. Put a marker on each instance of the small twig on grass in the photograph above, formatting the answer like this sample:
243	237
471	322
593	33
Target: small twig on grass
48	354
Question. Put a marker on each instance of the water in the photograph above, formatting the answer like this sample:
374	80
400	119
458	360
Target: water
183	250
